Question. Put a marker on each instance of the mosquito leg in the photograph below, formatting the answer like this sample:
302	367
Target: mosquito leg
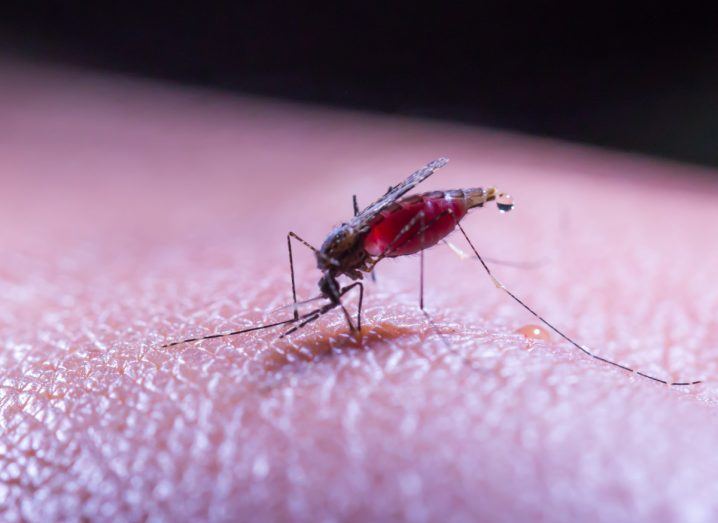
303	241
291	235
518	265
291	272
295	318
421	268
421	280
583	349
429	319
314	249
352	328
461	254
321	311
309	318
361	299
337	298
232	333
418	218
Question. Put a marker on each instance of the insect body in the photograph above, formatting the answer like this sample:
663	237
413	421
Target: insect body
397	225
406	226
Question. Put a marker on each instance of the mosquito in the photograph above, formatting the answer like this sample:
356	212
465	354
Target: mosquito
398	225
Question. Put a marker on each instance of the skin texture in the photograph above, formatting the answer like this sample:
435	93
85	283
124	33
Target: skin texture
134	214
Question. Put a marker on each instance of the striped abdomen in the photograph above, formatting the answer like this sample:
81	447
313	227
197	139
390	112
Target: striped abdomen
441	211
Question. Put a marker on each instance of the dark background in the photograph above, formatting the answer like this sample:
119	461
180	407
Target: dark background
640	77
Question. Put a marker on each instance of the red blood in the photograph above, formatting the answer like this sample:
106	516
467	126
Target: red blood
390	222
534	332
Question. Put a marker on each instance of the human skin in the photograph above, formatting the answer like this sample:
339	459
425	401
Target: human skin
134	214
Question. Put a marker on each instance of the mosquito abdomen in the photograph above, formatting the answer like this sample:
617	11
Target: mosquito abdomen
393	230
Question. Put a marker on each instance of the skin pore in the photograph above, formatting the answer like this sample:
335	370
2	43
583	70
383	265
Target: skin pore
134	214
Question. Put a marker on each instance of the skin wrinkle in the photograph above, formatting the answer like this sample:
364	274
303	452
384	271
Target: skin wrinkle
163	214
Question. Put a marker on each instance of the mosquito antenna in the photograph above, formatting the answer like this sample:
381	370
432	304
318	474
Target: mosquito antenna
564	336
232	333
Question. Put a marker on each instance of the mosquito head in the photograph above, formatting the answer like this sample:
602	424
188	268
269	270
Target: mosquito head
478	196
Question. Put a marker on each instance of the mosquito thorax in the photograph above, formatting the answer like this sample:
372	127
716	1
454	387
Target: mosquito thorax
342	251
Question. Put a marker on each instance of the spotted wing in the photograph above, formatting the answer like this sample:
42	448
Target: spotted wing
361	220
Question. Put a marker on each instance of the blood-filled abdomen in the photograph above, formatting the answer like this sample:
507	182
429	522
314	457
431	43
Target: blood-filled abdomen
415	223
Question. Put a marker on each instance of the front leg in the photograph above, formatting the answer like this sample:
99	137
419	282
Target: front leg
291	235
321	311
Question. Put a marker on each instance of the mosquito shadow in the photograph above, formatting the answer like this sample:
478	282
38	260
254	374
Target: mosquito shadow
324	342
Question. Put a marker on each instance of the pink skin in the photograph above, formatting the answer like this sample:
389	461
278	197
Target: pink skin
135	213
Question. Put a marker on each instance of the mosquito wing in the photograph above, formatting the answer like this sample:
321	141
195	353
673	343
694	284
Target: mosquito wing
361	220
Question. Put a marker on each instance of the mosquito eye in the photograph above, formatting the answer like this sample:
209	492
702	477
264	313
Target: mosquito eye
504	202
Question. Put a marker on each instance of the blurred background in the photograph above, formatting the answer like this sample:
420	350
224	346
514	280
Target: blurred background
641	78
